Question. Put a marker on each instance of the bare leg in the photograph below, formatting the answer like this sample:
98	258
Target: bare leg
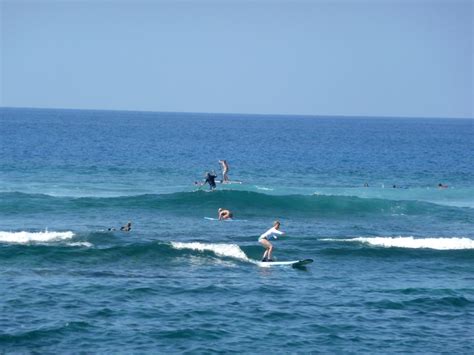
268	248
269	254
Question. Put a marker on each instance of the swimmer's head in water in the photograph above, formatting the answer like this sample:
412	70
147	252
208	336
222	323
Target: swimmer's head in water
220	209
276	224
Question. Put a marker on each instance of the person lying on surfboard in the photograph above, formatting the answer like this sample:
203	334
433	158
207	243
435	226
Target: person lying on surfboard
127	227
263	239
224	214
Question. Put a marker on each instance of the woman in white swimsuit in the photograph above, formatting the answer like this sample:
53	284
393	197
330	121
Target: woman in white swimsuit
263	239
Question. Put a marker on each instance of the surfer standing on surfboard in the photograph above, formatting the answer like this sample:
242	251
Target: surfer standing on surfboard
225	170
263	239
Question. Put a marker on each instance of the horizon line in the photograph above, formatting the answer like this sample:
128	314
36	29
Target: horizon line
238	114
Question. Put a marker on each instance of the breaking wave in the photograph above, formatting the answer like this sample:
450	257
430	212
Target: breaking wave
412	243
34	237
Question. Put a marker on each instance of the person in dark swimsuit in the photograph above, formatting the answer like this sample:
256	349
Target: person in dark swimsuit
127	227
210	178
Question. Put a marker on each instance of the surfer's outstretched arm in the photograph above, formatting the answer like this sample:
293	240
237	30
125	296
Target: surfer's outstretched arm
276	231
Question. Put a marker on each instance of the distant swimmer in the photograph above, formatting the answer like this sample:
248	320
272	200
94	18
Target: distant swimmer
399	187
441	186
127	227
210	178
366	185
263	239
224	214
225	170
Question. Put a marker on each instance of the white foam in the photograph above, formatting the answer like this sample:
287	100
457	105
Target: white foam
414	243
263	188
228	250
81	244
34	237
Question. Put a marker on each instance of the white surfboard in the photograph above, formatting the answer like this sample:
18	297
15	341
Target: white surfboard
293	263
225	220
229	182
217	219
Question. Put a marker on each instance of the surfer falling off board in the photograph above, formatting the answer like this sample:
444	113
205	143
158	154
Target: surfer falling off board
264	240
209	178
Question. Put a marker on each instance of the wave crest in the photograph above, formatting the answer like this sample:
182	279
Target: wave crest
249	203
413	243
34	237
226	250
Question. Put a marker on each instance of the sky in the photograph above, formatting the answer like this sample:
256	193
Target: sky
399	58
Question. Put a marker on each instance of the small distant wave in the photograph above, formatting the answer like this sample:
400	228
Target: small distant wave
251	203
264	188
226	250
425	303
413	243
81	244
34	237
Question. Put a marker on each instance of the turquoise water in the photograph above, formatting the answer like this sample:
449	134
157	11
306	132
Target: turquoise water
392	267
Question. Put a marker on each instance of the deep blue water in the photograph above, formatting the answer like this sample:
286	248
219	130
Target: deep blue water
393	267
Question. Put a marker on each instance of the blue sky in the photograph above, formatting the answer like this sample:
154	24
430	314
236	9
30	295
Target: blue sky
376	58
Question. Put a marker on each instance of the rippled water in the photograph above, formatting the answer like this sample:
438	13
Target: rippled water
392	267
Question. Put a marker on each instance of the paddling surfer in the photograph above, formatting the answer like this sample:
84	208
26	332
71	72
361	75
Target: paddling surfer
264	240
127	227
224	214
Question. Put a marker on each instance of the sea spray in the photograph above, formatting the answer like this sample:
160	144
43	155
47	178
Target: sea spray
226	250
412	243
24	237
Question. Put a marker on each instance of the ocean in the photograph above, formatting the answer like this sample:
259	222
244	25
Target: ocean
393	253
